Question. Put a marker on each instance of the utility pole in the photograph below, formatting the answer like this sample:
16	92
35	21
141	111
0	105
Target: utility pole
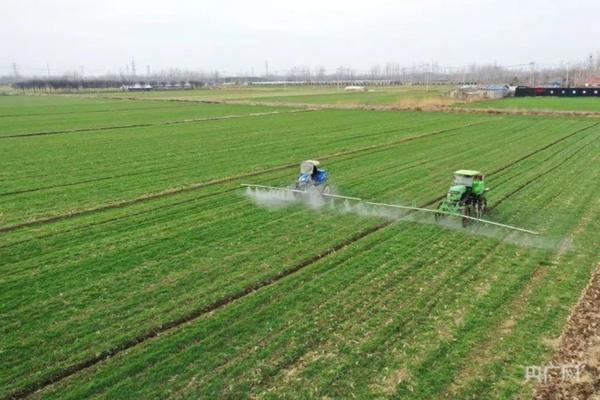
15	70
532	76
148	70
48	69
133	68
568	84
81	69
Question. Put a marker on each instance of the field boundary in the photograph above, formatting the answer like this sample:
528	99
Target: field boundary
521	111
576	342
379	107
195	314
424	108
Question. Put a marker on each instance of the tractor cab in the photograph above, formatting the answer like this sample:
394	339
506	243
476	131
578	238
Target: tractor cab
312	176
466	196
467	177
467	181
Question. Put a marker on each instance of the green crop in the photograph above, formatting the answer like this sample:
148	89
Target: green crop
117	114
132	264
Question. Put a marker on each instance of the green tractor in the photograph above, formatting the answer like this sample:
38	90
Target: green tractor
466	196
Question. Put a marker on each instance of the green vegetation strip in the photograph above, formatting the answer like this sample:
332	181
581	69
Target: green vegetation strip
400	313
379	319
250	222
58	123
112	167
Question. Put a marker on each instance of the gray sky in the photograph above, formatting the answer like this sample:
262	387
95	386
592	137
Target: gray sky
230	35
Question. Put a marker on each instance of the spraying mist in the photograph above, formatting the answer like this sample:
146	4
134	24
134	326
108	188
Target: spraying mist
277	199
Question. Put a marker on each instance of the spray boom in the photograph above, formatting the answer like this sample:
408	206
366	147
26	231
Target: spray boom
396	206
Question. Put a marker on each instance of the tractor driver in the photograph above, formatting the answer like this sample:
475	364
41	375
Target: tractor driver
315	174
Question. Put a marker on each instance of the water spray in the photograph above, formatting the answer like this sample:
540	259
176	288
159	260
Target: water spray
296	195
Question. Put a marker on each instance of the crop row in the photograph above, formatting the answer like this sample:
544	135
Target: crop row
53	175
152	113
156	256
28	106
411	311
411	160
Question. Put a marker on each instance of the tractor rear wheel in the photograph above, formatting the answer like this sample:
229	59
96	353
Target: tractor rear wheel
482	206
478	208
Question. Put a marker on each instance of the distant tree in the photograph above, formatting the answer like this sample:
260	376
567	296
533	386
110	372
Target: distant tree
320	71
375	72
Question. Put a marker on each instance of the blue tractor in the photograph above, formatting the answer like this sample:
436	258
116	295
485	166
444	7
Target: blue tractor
312	178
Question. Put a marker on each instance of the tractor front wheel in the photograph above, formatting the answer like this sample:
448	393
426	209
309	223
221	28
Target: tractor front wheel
467	213
438	215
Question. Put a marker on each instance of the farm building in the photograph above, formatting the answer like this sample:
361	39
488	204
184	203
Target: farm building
136	88
176	86
482	92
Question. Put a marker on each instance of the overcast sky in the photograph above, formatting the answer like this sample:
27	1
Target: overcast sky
238	35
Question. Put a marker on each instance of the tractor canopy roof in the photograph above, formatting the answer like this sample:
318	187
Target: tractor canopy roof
306	167
467	172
